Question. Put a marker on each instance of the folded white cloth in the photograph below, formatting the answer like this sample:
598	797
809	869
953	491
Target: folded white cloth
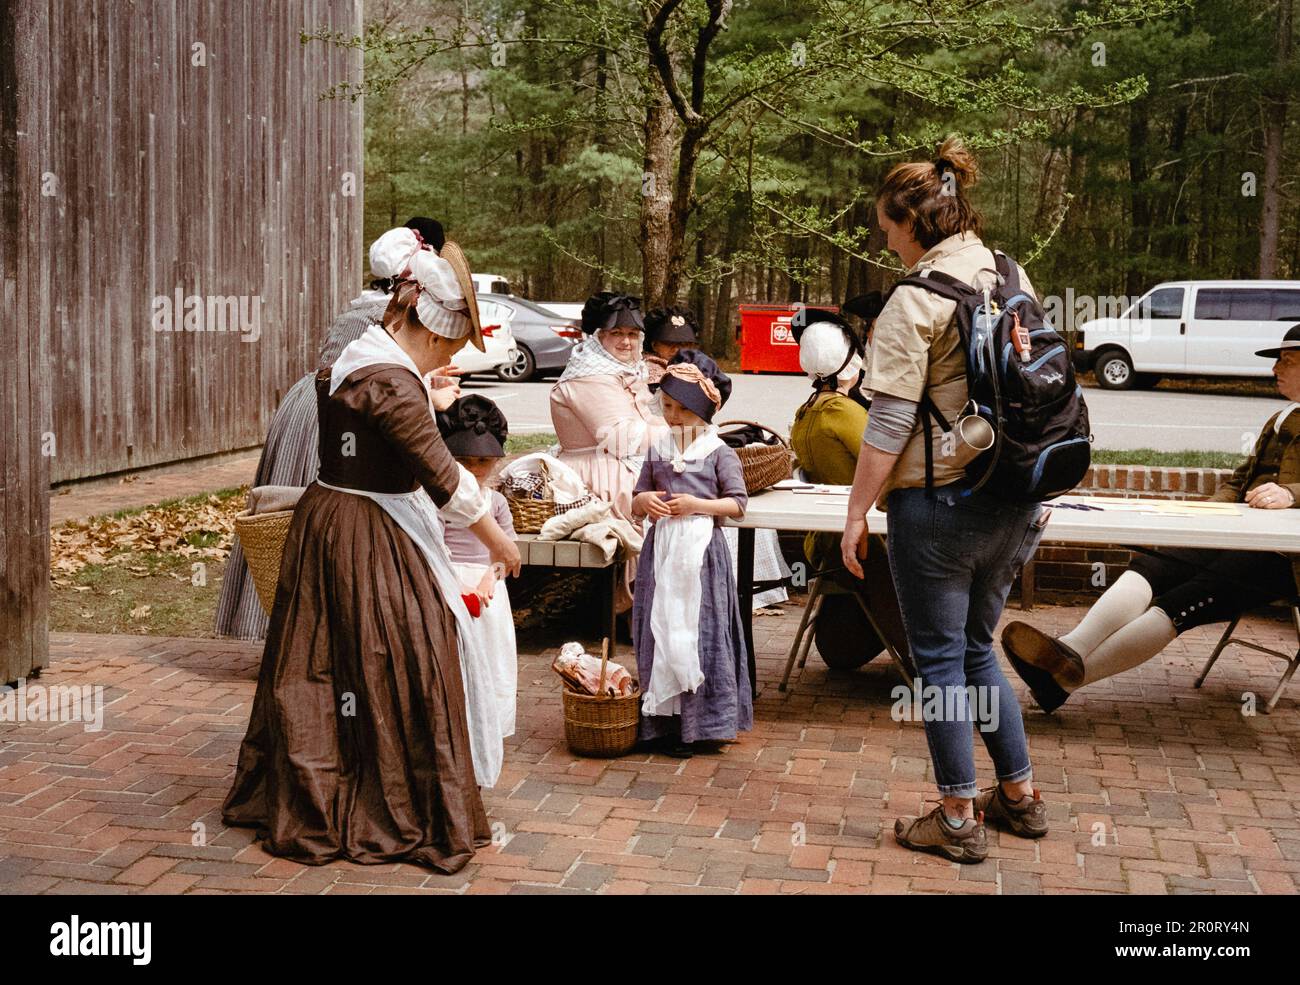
274	499
566	485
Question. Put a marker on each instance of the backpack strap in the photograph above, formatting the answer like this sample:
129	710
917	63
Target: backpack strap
1009	272
937	282
930	415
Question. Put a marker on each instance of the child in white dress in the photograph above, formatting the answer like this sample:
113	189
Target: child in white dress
475	432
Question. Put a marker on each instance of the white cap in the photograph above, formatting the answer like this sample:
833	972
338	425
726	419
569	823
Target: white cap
822	350
391	253
441	305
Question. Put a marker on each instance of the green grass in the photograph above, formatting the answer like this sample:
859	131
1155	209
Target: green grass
196	499
519	444
1151	458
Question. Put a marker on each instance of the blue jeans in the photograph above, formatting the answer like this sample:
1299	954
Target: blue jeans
954	558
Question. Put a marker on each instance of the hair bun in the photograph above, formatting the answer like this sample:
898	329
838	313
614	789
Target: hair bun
954	157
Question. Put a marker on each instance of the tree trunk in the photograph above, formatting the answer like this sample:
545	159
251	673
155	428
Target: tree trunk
1140	215
656	193
1275	106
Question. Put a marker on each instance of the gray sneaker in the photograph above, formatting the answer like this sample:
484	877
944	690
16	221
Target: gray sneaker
1026	817
933	834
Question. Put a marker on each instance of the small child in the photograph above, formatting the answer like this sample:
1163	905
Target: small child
686	626
475	431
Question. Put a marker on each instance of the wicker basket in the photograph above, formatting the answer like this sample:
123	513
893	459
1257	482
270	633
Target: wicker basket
262	535
529	515
599	726
764	465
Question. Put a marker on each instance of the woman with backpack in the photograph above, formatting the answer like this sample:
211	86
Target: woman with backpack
954	551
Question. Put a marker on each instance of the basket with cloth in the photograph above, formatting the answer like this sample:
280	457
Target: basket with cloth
765	456
262	528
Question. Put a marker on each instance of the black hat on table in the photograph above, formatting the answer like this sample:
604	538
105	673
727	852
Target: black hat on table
691	395
1291	340
609	309
674	324
474	427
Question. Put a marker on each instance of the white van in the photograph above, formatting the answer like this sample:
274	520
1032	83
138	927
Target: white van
1189	328
490	284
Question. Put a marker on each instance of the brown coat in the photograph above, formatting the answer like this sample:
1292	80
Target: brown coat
1271	449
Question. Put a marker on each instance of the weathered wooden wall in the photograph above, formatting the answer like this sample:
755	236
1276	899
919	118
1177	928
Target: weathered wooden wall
24	379
220	180
135	165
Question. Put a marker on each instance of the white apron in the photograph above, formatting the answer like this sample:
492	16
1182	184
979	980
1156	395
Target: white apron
495	628
680	543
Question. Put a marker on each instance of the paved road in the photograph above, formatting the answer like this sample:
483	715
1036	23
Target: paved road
1159	419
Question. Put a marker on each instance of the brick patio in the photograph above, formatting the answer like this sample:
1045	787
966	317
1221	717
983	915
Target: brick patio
1192	795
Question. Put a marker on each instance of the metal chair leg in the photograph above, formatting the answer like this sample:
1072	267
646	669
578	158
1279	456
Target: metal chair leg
1224	640
814	595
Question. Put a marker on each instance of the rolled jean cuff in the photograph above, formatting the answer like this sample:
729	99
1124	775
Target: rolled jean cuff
966	791
1019	776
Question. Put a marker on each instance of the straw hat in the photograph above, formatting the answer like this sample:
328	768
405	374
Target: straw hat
451	252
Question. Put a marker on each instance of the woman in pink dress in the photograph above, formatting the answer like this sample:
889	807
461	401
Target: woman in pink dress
601	407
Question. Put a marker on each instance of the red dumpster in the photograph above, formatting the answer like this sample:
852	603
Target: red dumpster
766	343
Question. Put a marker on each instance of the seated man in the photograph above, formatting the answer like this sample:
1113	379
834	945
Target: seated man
1158	598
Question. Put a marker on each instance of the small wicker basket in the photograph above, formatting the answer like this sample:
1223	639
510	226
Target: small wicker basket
262	535
600	726
530	515
764	465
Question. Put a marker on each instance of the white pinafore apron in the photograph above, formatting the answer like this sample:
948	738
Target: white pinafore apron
679	546
495	627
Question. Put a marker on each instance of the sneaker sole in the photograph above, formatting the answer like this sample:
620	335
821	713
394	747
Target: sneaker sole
1037	649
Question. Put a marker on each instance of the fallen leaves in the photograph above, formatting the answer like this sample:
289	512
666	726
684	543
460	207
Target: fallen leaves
202	529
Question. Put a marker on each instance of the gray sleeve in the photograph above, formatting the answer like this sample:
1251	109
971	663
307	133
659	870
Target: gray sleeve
891	423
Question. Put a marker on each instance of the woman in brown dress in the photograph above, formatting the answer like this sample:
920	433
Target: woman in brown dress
370	732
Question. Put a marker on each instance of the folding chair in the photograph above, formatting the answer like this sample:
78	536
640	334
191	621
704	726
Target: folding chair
803	636
1292	660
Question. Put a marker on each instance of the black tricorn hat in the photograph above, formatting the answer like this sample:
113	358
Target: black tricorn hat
674	324
1291	340
474	427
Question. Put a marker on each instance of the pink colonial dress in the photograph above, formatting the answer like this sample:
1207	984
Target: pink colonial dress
604	421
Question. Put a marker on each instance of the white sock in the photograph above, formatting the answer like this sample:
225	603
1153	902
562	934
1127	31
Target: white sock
1118	606
1136	643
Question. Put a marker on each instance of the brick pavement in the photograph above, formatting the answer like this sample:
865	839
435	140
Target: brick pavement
1188	795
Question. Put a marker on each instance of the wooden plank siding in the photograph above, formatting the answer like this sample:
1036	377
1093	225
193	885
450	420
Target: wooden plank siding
222	180
127	173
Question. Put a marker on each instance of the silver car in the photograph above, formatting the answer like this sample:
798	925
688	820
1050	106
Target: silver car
543	339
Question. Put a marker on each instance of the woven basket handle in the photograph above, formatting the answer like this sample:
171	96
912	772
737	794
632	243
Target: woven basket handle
756	424
604	660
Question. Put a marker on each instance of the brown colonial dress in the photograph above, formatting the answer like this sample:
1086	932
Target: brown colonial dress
358	745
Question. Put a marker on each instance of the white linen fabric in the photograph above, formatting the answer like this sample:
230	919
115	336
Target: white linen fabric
441	304
680	543
495	627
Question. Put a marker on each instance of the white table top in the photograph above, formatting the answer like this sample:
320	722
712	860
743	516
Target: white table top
1140	522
